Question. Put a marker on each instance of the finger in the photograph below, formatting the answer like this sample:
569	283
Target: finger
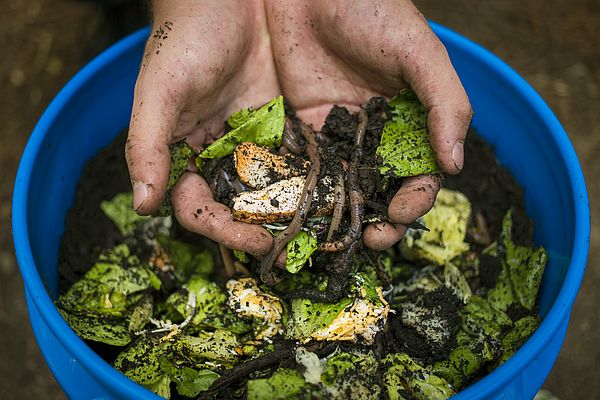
382	235
430	73
153	121
197	211
414	198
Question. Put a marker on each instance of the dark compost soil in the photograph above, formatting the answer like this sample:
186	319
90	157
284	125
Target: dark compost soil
489	186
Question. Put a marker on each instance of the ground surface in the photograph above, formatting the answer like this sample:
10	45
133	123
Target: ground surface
552	43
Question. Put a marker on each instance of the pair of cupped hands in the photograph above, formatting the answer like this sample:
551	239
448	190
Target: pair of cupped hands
207	59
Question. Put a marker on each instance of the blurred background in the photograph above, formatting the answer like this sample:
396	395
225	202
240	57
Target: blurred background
552	43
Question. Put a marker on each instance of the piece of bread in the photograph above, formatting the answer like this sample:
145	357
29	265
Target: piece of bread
258	167
278	202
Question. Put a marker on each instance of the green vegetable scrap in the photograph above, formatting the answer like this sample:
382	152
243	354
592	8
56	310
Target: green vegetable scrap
108	300
404	147
480	317
190	382
187	259
308	317
299	250
282	385
141	361
121	212
214	346
406	377
447	223
351	376
525	265
263	127
515	338
180	153
464	363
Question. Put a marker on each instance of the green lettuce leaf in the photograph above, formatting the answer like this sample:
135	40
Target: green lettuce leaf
263	127
308	317
180	153
214	346
463	363
514	338
141	314
241	256
447	223
406	376
120	211
525	265
162	387
187	259
456	281
480	317
109	289
299	250
366	287
114	333
351	376
282	385
190	382
141	361
404	147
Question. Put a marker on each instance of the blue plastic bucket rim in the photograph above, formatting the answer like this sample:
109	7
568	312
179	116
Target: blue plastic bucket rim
103	371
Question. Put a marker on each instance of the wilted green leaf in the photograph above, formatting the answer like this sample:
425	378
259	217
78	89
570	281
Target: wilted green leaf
141	314
282	385
351	376
299	250
447	224
114	333
186	258
514	339
263	127
463	363
239	118
308	317
120	211
108	288
366	288
405	375
241	256
216	346
455	281
525	266
480	317
210	300
404	147
162	387
141	362
180	153
190	382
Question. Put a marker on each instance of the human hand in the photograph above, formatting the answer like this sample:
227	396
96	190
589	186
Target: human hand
204	61
344	53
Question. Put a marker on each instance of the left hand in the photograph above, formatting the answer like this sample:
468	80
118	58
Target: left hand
345	52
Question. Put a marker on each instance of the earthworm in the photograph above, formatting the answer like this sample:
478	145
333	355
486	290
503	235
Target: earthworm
357	203
283	238
340	200
288	139
282	351
227	260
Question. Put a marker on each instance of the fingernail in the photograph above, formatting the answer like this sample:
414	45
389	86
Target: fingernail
458	155
140	193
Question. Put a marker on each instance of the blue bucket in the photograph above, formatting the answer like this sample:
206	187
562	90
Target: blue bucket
95	106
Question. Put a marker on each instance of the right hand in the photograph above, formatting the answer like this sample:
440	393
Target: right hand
203	61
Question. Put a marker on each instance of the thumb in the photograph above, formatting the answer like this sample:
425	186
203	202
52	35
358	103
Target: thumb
151	127
434	80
